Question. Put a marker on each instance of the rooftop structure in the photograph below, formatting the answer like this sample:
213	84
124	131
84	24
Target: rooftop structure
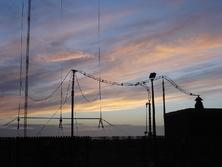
193	122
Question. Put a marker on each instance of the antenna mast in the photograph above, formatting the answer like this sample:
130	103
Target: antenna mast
99	57
27	69
21	67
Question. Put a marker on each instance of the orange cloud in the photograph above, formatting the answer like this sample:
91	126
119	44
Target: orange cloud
146	56
111	104
65	56
8	105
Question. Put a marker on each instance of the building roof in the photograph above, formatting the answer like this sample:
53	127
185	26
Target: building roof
191	110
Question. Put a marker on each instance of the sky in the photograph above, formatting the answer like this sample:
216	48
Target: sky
181	39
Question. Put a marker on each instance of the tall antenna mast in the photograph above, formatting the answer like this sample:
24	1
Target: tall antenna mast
27	69
61	90
21	67
99	57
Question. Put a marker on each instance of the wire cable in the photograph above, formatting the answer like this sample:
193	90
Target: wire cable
52	93
67	91
68	88
140	83
9	122
80	89
173	83
43	127
112	82
118	128
76	124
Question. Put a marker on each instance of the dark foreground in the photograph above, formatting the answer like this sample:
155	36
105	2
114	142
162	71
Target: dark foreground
110	152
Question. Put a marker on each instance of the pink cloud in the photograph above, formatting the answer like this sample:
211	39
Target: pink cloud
64	56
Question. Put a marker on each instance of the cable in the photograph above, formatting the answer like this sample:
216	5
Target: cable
76	124
141	83
67	91
51	94
118	128
39	132
173	83
112	82
43	127
8	123
80	89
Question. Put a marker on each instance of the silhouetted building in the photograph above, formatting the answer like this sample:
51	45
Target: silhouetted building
190	123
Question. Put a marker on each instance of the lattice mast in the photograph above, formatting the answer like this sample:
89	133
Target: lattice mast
99	60
27	68
21	66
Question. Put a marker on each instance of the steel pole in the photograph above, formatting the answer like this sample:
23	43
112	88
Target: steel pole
153	107
150	126
146	131
72	105
164	107
27	69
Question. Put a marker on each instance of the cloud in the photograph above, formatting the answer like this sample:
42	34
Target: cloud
65	56
146	56
183	41
7	108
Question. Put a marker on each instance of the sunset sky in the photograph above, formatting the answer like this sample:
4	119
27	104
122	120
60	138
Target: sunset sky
181	39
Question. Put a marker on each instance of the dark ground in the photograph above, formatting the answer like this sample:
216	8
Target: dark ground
110	152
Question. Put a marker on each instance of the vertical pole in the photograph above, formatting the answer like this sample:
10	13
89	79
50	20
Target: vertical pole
154	127
164	106
150	126
21	68
153	107
146	131
73	98
27	69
